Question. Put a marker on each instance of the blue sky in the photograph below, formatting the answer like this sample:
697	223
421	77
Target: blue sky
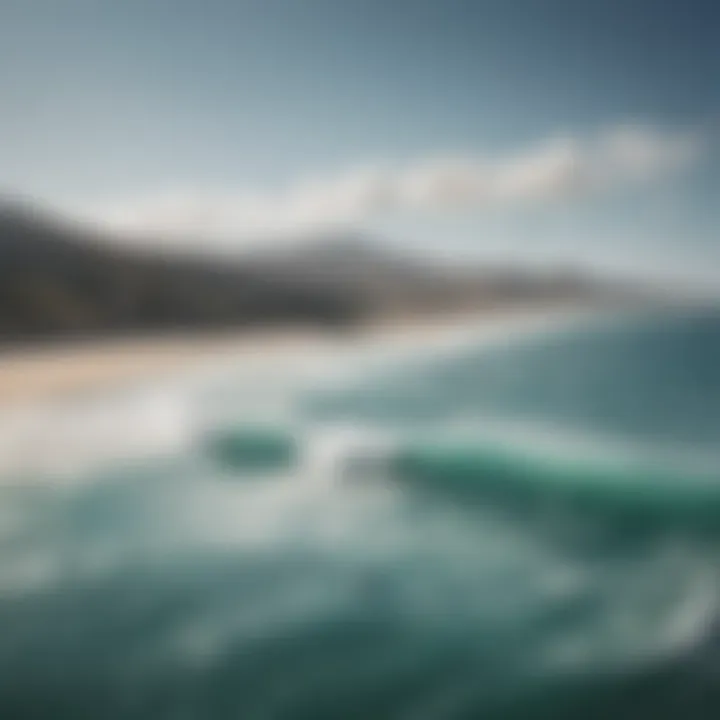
122	104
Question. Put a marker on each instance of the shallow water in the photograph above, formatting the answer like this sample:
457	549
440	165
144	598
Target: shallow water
524	529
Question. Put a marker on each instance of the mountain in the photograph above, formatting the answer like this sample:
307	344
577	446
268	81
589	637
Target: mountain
60	279
378	278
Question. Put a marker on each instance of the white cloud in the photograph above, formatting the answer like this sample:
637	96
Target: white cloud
560	169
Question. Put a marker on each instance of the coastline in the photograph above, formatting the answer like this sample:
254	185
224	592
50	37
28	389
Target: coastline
65	370
51	372
65	407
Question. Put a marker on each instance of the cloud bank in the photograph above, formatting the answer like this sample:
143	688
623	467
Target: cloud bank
560	169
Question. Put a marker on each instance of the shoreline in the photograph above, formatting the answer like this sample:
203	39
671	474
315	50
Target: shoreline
60	370
63	409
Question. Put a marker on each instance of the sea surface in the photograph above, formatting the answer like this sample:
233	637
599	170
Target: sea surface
515	523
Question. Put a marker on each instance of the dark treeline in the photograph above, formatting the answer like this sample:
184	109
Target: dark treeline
57	280
61	280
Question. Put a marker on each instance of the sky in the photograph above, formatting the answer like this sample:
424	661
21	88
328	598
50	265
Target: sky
578	131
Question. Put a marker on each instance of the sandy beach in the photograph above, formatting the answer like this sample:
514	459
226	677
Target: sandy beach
49	372
63	407
54	371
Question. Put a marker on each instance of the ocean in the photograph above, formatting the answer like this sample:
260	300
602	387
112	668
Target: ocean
506	524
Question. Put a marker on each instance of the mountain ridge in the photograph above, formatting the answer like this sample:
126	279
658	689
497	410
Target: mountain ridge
59	278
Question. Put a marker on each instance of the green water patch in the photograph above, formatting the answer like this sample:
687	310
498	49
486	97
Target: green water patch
649	491
253	448
647	488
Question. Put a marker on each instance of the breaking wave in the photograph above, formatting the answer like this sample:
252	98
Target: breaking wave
522	529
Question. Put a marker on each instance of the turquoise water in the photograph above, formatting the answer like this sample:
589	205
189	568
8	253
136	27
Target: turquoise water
528	528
